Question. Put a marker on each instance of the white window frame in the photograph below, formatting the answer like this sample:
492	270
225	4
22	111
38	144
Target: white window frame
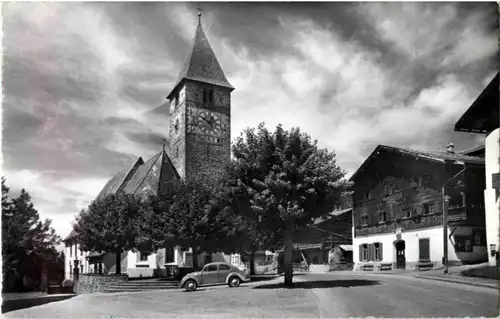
363	221
364	252
376	251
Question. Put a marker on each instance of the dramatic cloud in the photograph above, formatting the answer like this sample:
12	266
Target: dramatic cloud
85	83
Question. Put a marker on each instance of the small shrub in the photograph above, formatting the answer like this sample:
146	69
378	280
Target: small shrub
67	283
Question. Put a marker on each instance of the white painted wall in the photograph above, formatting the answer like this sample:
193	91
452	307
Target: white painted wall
70	255
411	239
133	260
491	199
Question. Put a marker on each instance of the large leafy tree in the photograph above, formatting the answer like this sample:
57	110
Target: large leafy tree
29	244
109	225
287	181
195	219
247	234
154	225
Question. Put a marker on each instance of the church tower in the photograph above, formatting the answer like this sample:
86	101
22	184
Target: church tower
200	113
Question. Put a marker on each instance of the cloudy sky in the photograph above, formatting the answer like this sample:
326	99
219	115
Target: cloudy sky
80	78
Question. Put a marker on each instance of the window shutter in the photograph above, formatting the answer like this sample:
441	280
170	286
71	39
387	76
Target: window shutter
381	253
360	252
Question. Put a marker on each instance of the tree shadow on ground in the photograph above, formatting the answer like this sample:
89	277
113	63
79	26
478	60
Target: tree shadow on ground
267	277
16	304
321	284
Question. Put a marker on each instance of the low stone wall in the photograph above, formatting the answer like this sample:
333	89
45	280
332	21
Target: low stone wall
341	266
141	272
387	266
88	283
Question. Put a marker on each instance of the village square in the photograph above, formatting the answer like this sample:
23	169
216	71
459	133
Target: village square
340	182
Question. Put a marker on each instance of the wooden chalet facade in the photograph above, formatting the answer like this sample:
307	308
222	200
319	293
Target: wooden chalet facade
398	206
483	117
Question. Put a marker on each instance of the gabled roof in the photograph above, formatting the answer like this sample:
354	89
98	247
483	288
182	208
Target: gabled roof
152	176
141	174
474	150
118	181
201	64
71	235
141	177
434	156
483	115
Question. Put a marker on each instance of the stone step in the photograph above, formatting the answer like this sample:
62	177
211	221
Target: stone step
142	284
134	289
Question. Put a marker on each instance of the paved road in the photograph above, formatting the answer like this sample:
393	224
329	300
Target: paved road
339	294
396	296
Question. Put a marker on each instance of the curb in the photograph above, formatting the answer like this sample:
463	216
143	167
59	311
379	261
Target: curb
458	281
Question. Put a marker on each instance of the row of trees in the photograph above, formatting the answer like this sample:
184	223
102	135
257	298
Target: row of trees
276	183
29	255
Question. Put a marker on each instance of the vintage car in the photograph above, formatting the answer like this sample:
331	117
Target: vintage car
216	273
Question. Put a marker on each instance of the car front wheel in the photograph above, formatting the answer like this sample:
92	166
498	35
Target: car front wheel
190	285
234	281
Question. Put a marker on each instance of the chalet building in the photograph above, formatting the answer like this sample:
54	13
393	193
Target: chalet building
315	244
482	117
198	147
398	207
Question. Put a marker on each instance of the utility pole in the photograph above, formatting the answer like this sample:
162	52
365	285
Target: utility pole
445	230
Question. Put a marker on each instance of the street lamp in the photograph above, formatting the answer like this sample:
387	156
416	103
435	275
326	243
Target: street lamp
445	214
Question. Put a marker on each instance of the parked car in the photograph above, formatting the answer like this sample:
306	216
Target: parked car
216	273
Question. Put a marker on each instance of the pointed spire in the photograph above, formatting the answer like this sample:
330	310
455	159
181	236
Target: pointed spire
201	64
200	10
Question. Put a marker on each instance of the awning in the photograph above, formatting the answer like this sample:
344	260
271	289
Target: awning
346	247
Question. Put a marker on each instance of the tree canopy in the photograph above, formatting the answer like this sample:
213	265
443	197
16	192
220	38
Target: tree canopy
28	243
110	225
285	181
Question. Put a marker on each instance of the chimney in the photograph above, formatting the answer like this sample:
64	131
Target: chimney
450	148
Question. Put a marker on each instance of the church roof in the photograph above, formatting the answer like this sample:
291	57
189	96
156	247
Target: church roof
201	64
117	182
143	177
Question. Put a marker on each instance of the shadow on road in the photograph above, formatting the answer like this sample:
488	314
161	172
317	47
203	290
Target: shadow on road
15	304
322	284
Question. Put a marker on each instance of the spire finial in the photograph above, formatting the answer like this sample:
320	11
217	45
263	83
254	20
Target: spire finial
164	143
200	11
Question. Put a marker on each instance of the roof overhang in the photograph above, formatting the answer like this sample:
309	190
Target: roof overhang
405	152
483	115
199	80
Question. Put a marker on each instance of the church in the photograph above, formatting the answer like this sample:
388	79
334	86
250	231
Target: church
198	147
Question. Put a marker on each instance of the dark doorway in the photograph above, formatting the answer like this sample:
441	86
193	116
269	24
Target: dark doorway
424	248
400	254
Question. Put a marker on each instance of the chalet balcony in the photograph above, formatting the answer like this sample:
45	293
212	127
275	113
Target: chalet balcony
410	223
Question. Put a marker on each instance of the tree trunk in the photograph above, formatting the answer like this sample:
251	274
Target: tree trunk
43	277
252	262
195	258
118	263
288	258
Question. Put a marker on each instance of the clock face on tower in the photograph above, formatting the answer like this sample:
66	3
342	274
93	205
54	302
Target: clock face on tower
209	123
